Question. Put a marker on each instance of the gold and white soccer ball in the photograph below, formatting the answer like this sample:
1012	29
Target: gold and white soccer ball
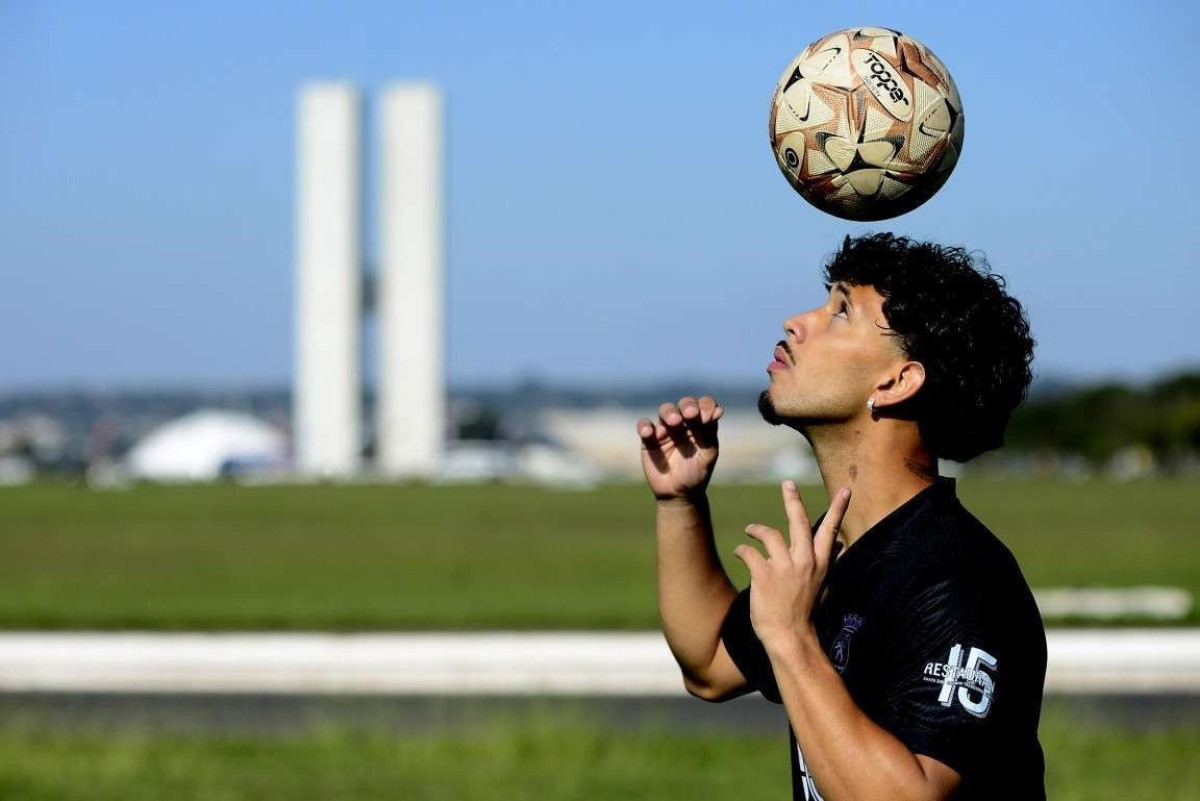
866	123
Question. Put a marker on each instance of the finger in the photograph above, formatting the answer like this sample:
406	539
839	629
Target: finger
799	528
754	560
827	533
669	414
771	538
674	426
709	409
689	409
653	437
699	420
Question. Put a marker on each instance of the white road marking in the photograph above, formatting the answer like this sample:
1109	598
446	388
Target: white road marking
1109	603
499	663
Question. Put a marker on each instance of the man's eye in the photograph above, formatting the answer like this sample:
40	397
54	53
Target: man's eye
843	310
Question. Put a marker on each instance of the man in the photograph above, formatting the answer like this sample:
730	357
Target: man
899	634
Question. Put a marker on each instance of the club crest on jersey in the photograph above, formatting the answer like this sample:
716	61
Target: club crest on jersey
839	654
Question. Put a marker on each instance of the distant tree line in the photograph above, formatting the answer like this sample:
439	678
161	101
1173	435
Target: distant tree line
1098	422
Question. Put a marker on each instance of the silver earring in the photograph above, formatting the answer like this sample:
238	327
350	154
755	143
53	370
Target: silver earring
871	405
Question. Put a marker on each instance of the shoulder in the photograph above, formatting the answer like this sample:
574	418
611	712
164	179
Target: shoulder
948	543
959	573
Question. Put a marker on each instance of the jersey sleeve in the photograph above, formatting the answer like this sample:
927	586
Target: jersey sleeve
746	650
947	674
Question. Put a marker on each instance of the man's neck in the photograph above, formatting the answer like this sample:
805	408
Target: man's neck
881	461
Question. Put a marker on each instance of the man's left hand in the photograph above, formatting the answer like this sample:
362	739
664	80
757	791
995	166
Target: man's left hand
785	584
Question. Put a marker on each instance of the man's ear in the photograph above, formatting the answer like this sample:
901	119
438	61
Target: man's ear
901	385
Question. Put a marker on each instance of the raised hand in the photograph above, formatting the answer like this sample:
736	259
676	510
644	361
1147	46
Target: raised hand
680	450
785	583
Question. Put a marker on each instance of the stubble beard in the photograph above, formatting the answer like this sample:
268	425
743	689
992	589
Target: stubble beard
770	412
799	419
766	408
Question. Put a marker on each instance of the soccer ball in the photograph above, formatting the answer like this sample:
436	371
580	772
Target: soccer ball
866	124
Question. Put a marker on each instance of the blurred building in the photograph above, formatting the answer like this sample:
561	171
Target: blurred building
206	445
329	275
330	288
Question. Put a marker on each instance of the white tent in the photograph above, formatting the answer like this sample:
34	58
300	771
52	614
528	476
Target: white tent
205	445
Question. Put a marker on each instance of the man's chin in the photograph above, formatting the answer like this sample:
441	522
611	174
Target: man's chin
766	407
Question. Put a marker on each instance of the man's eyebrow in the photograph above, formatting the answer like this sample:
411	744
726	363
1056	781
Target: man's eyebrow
841	286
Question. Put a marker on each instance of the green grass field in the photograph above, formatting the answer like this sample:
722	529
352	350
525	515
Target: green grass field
376	557
478	557
535	756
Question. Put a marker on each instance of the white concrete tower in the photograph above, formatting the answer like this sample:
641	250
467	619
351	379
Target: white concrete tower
327	395
411	402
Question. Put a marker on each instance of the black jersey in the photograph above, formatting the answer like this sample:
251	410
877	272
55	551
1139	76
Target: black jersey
937	637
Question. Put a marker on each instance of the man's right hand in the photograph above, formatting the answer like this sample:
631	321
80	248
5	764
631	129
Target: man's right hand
680	450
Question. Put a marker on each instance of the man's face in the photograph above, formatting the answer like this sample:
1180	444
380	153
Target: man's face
831	359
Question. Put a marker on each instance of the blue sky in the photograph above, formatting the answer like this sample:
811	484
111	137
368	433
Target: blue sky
614	212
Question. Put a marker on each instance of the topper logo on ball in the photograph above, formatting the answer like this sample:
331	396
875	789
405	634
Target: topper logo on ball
877	75
866	123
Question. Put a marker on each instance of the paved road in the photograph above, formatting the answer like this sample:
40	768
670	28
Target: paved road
283	715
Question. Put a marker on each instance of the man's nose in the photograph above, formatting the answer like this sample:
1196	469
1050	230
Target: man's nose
794	328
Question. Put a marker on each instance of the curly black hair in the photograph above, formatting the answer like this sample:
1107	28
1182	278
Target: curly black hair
953	315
